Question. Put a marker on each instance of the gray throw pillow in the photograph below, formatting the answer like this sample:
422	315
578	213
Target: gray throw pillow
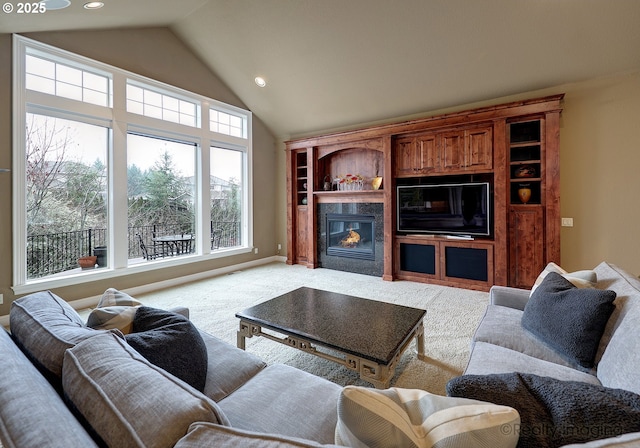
172	342
568	319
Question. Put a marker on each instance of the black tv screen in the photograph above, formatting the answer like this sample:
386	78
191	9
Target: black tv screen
452	209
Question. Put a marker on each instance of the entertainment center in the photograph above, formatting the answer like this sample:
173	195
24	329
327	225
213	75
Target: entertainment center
467	199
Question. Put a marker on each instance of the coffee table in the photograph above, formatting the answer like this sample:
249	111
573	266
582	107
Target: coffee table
367	336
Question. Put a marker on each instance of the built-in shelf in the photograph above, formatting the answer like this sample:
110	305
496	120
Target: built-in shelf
350	196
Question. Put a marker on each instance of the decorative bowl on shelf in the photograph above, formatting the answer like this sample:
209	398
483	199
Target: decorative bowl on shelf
524	171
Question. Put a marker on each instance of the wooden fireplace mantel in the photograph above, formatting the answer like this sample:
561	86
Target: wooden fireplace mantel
488	143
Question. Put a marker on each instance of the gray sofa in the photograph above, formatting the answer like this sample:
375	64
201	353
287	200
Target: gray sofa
501	345
64	384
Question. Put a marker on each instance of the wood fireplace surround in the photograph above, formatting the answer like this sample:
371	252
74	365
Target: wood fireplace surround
512	146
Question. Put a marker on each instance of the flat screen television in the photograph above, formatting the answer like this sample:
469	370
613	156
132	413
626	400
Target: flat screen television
451	209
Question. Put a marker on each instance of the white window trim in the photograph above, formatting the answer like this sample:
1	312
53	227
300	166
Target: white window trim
122	122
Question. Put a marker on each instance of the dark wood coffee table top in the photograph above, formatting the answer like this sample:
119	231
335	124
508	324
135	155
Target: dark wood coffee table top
366	328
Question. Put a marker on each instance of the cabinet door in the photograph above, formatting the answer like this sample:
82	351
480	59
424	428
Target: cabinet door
452	150
427	159
526	245
479	148
416	155
301	247
405	149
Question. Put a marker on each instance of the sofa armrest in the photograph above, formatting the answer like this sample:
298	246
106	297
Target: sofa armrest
184	311
509	297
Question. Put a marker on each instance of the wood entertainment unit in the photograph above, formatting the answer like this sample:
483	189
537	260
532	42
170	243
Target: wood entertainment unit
514	147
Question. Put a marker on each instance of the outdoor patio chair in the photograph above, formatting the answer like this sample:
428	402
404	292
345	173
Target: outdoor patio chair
149	253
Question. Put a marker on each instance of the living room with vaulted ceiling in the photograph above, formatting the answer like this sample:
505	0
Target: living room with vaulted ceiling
597	133
171	352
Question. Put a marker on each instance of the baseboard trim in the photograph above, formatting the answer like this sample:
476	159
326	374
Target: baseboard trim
89	302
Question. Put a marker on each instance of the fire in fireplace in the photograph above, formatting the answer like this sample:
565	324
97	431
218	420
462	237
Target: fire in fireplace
351	236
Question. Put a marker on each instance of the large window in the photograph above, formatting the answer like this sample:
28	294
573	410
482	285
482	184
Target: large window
167	185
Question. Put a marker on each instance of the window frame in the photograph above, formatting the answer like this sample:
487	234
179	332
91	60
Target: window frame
121	122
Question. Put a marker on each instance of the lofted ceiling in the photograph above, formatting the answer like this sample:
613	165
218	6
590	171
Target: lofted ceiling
336	64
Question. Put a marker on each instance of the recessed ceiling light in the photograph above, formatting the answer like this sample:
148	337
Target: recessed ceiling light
260	81
93	5
52	5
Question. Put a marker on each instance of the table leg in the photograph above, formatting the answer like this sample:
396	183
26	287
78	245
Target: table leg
420	342
245	331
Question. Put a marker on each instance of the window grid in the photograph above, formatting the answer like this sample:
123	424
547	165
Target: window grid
158	105
65	81
226	123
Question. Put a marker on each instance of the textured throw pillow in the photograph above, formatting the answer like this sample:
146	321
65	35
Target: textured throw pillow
415	418
172	342
555	413
580	279
568	319
115	309
128	401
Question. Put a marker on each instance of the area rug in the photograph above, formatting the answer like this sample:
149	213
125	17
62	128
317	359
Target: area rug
452	316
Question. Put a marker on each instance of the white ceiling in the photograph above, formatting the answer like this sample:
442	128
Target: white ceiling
334	64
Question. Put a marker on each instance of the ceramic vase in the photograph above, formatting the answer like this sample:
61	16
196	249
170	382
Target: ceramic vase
524	193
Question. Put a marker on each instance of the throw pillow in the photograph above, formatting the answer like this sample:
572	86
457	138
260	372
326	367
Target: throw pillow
127	400
416	418
115	310
172	342
568	319
553	412
580	279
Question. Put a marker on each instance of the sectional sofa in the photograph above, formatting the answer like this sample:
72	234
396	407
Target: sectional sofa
70	385
65	384
502	345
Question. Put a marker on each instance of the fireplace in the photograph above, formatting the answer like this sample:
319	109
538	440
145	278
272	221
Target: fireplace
351	236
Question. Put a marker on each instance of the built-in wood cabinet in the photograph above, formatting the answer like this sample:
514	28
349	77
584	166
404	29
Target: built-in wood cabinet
446	152
514	147
464	264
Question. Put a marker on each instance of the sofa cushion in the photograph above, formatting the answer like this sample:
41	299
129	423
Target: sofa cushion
45	326
266	403
210	435
555	413
502	326
127	400
412	417
115	309
580	279
620	355
228	367
172	342
32	414
489	358
569	319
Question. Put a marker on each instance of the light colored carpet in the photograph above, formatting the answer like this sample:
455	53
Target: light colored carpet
452	316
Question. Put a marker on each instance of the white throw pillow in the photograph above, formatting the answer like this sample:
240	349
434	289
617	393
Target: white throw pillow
115	310
579	279
416	418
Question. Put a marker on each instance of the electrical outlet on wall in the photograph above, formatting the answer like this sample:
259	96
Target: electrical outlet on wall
255	250
567	222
